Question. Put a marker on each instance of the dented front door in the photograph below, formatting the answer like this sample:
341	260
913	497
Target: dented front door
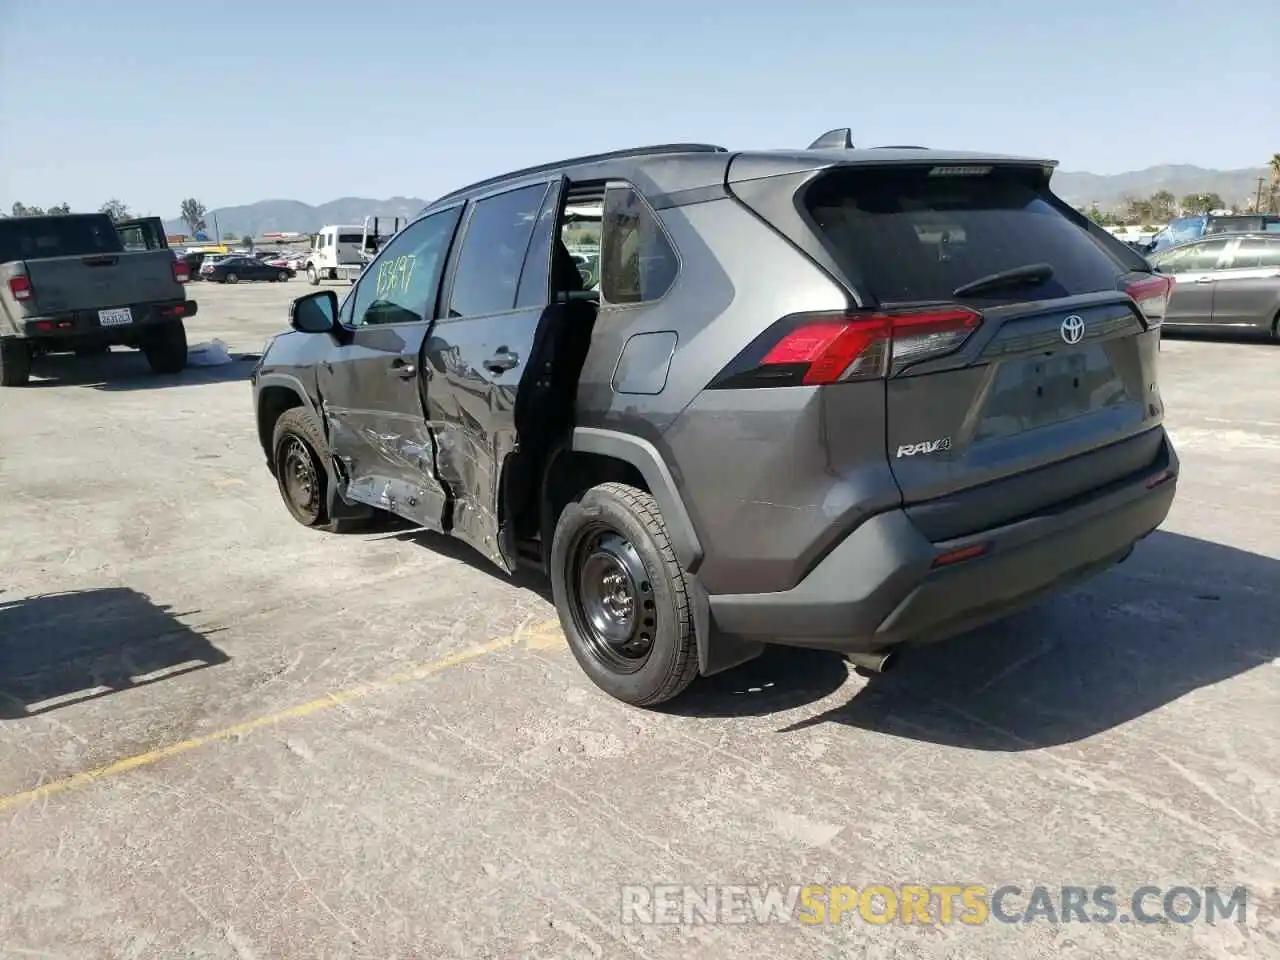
370	387
377	430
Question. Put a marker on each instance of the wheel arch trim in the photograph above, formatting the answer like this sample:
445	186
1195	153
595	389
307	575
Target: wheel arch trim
645	457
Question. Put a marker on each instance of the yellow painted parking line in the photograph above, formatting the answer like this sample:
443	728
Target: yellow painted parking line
543	636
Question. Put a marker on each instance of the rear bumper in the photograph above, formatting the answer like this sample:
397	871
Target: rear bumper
880	586
84	324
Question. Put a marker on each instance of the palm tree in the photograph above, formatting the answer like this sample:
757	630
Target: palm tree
1275	180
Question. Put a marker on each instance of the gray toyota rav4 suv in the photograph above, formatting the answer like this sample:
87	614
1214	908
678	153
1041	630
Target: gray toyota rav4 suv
834	397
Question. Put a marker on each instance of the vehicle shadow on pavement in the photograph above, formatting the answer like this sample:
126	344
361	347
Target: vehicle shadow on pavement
123	370
781	678
1181	614
67	648
398	529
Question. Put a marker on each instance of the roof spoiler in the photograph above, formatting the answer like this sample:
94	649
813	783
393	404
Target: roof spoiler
839	139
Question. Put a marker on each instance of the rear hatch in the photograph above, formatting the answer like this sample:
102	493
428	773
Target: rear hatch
75	262
64	284
1011	336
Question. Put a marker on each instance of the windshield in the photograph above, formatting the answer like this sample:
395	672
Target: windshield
905	236
35	238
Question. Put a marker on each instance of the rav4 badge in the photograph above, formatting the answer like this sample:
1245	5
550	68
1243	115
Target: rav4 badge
928	446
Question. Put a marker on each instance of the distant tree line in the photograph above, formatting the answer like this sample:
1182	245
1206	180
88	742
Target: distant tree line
193	212
1162	206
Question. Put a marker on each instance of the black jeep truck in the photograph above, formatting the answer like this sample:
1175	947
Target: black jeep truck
68	283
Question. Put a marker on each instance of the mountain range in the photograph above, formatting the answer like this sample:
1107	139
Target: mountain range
1079	188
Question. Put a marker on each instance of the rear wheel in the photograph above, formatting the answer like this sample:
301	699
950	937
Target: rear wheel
15	363
165	347
621	595
299	455
282	276
232	278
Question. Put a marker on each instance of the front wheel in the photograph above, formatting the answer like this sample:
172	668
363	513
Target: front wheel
313	276
165	347
622	597
298	454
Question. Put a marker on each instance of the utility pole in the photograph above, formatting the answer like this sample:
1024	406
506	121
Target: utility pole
1257	201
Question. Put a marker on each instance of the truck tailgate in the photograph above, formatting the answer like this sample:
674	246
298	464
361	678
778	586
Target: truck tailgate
63	284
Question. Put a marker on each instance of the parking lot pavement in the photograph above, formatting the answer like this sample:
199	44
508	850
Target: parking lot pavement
222	735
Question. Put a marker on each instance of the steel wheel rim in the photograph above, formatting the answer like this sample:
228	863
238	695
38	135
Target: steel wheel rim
299	479
612	604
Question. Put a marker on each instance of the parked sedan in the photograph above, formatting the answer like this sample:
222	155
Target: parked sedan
1224	282
235	269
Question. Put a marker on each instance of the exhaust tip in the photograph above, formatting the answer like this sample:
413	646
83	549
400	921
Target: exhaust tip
878	662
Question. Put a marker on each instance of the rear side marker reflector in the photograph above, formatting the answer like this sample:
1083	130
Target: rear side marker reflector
960	555
816	349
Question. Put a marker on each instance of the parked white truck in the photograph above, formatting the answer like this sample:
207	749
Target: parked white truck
341	252
332	248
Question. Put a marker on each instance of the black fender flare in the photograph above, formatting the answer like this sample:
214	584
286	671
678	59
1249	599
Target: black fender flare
645	457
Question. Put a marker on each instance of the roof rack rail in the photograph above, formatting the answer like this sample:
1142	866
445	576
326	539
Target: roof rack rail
840	138
653	150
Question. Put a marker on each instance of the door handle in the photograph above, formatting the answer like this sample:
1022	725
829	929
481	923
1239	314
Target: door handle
401	368
1204	279
502	361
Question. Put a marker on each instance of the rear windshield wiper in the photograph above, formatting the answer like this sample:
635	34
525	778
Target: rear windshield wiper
1031	273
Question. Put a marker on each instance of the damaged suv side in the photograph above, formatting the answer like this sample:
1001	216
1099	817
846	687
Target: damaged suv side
830	397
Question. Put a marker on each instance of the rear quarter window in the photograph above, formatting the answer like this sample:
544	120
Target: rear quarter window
904	236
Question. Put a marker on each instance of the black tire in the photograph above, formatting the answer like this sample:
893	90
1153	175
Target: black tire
297	434
282	276
15	363
616	531
231	278
313	276
165	347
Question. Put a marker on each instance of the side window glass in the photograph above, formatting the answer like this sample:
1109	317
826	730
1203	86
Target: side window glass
1271	255
493	252
1204	256
638	263
535	278
400	286
1249	255
347	307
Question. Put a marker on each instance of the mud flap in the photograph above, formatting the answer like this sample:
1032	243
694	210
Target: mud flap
338	506
717	651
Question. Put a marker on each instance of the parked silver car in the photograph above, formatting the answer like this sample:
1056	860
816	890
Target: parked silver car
1224	282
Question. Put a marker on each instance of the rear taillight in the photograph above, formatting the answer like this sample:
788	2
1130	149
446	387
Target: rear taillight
181	271
811	349
1151	294
20	288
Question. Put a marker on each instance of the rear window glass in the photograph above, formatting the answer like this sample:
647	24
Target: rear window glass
906	236
66	236
350	238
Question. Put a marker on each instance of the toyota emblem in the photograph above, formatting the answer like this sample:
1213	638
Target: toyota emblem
1073	329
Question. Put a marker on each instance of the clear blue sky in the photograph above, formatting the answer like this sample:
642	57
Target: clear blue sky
241	100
